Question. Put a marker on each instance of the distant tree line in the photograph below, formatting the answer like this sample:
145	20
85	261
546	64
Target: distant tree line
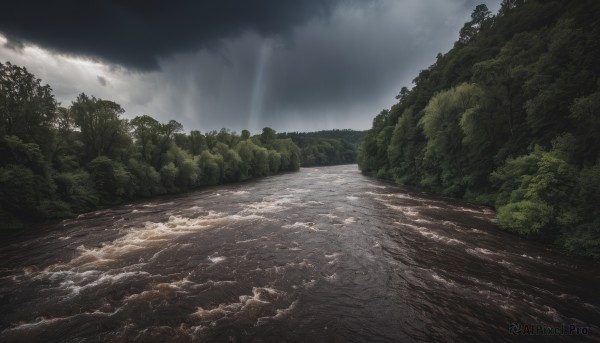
509	117
57	161
327	147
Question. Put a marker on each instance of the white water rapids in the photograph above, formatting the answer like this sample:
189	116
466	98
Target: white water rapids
325	254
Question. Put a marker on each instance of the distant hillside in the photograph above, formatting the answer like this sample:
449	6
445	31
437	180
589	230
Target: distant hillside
329	147
509	117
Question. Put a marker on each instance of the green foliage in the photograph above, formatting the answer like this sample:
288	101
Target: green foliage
245	135
525	217
168	176
77	189
197	143
245	150
406	149
583	237
584	240
260	165
447	117
111	180
103	132
92	157
268	136
145	131
512	178
553	181
231	167
154	140
19	191
14	151
290	154
588	193
324	148
146	180
508	117
585	112
479	18
227	137
274	161
189	174
508	6
25	182
27	108
545	182
210	171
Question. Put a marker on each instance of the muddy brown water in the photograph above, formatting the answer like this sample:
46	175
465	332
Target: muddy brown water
325	254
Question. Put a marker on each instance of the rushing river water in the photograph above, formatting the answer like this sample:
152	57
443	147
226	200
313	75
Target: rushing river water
325	254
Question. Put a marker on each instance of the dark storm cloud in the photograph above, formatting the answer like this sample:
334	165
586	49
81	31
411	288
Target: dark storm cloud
14	45
102	80
291	65
333	73
136	34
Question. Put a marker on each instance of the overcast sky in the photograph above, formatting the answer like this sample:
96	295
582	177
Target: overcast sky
288	64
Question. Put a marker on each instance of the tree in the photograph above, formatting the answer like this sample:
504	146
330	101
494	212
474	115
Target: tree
209	168
227	137
103	132
480	16
146	180
27	108
57	161
145	131
76	188
188	176
154	139
479	19
441	126
508	5
25	183
585	113
405	152
197	143
231	167
111	180
166	133
274	161
404	92
268	136
260	163
211	139
66	143
328	147
508	117
538	202
168	176
290	154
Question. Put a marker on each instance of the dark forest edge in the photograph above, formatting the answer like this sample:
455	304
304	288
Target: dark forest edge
56	162
509	117
327	147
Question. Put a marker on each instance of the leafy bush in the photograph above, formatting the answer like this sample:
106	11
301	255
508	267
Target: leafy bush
111	180
527	217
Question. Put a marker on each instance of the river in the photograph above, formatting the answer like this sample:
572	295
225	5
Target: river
325	254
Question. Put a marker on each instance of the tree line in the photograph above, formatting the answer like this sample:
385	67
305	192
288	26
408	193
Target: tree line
509	117
57	161
327	147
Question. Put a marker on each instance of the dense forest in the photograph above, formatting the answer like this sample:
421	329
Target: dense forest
57	161
509	117
327	147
